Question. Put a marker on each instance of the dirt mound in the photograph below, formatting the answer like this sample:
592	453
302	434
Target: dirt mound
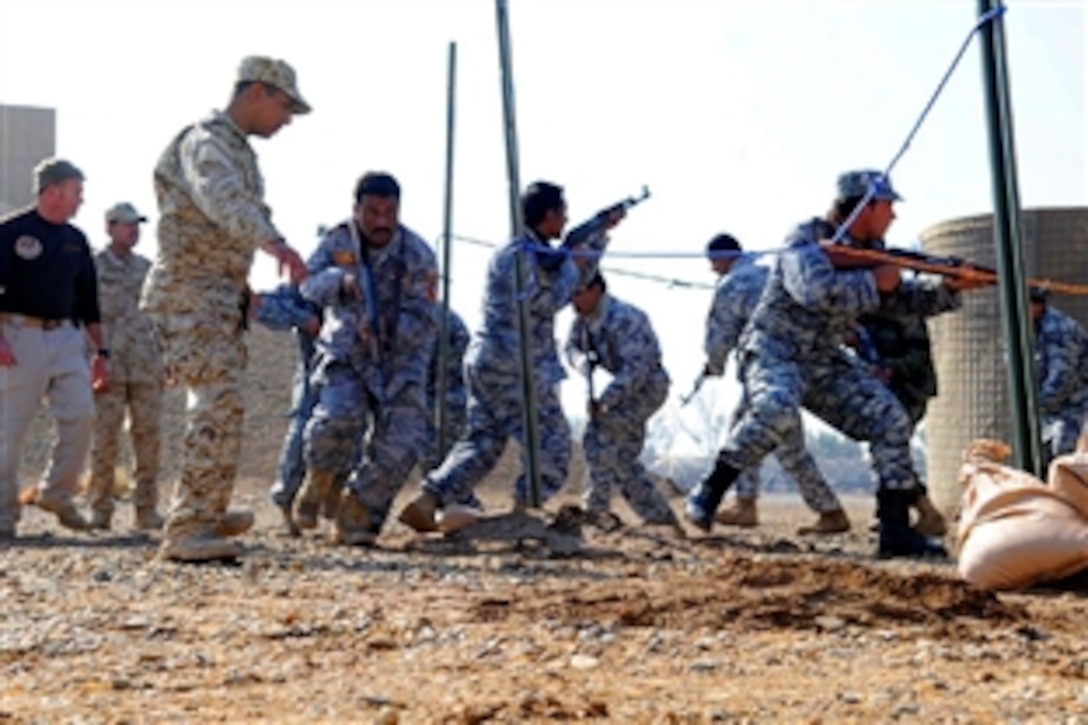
769	594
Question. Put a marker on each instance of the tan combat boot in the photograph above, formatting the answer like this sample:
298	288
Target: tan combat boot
931	522
308	503
456	517
100	520
146	520
289	520
197	548
829	522
420	514
234	523
742	513
353	522
67	512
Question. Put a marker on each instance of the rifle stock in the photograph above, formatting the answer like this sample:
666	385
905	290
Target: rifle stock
846	257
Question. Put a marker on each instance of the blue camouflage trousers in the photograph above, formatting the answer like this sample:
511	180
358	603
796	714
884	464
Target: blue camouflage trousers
292	465
613	443
840	392
456	425
495	406
350	428
798	464
1060	431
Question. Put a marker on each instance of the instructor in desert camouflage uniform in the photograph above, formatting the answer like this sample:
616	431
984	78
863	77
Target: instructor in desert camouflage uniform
212	220
136	384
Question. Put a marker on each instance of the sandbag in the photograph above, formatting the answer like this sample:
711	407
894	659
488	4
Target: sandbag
1068	477
1014	530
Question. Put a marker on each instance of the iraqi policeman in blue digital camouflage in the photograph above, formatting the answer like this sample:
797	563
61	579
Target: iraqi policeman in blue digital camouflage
618	337
284	309
1061	366
377	281
792	356
492	366
455	394
740	285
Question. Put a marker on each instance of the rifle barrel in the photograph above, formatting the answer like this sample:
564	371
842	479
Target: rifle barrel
946	266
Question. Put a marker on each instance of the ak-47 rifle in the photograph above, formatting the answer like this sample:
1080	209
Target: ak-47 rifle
695	388
369	329
594	224
550	259
591	364
847	257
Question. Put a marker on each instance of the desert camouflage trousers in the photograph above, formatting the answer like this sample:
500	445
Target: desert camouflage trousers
208	357
843	394
613	442
495	407
143	403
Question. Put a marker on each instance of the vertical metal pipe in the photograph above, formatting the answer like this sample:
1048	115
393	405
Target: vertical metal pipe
1007	236
440	413
531	447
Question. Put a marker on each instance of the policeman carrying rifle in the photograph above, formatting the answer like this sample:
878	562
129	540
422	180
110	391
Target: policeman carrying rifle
792	356
491	364
377	281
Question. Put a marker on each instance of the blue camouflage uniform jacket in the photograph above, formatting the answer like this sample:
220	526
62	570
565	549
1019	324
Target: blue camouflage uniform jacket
735	297
622	341
399	283
550	286
808	304
1061	359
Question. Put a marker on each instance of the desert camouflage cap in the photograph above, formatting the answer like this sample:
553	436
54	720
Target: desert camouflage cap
124	212
275	73
856	183
53	171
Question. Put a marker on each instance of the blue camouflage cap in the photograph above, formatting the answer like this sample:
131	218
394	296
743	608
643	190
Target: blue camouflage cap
857	183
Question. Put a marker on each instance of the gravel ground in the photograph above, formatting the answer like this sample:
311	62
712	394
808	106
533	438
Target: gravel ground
523	620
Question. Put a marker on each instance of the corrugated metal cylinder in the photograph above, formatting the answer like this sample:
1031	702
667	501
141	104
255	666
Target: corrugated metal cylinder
968	345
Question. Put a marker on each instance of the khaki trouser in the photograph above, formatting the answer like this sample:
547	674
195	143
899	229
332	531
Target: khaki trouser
143	402
50	365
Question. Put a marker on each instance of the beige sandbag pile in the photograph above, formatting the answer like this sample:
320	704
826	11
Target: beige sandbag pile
1016	531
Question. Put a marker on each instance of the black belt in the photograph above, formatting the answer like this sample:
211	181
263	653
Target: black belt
28	321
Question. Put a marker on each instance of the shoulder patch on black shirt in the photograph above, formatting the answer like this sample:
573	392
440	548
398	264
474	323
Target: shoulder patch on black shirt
28	247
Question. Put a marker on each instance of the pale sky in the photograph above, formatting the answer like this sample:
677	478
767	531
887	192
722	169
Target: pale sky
738	114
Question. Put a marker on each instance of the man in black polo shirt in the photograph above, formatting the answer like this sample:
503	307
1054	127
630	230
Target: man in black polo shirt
48	291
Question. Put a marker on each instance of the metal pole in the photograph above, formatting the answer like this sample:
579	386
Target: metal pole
531	444
1007	236
442	378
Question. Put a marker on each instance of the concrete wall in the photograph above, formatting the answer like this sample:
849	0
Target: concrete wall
27	135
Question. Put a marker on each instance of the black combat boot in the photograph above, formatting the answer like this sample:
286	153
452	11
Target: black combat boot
897	538
704	499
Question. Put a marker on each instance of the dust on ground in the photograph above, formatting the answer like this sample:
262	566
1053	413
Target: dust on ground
526	619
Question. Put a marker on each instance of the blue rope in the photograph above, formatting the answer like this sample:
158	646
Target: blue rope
875	184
